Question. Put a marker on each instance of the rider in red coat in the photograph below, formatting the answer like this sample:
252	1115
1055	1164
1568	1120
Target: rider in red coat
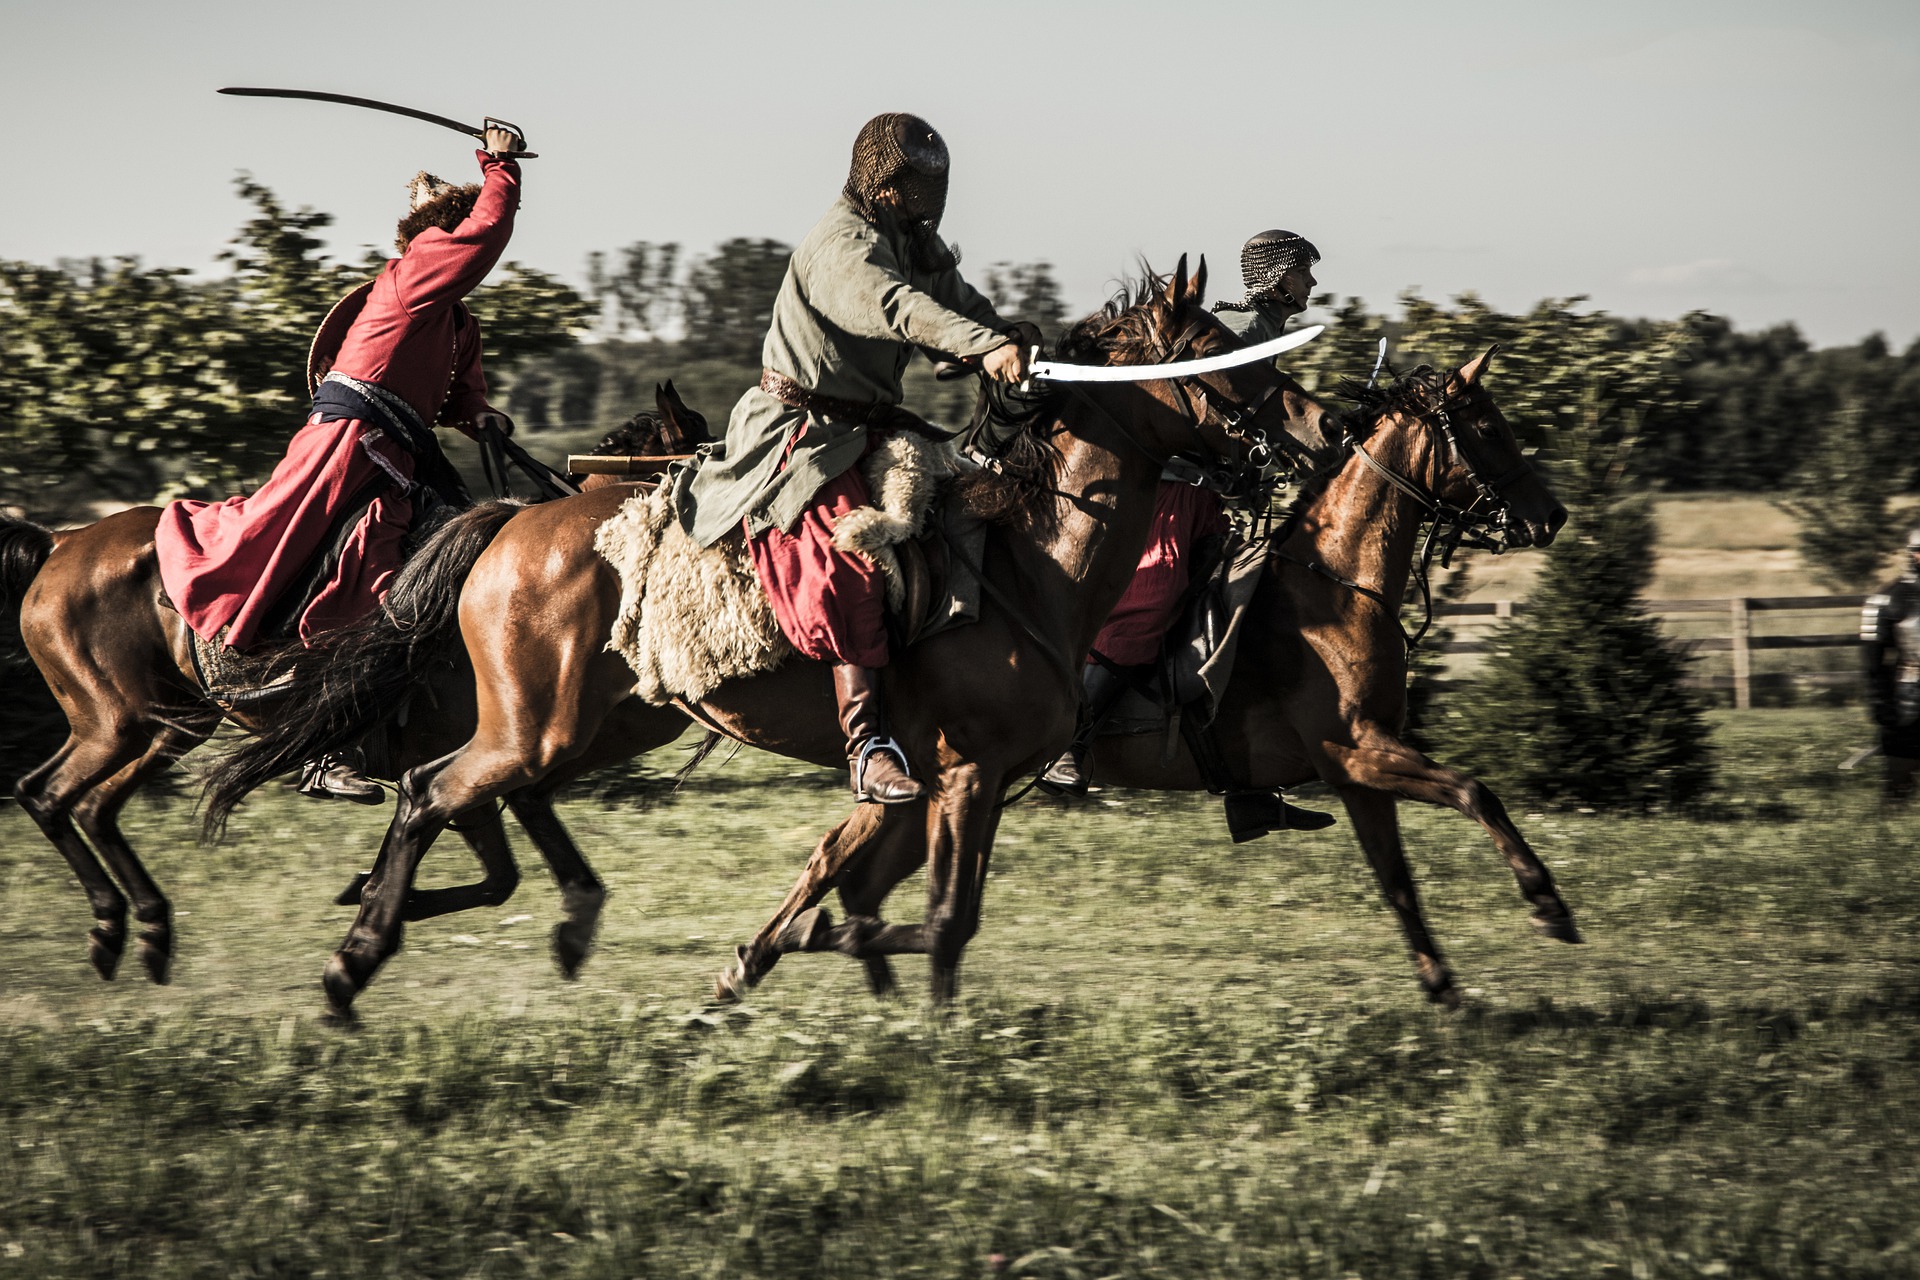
367	455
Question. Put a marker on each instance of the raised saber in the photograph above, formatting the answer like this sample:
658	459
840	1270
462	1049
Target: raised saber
376	105
1054	371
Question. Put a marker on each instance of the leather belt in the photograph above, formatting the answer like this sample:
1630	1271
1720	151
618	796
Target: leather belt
885	417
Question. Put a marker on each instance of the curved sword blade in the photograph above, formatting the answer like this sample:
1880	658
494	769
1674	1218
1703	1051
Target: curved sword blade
1053	371
318	96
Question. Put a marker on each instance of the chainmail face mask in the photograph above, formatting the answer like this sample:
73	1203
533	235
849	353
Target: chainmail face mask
904	154
1263	260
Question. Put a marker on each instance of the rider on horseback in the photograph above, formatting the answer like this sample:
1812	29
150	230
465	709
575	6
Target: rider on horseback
1277	269
869	285
331	520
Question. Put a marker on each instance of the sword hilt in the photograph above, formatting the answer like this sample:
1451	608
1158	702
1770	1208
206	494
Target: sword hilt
494	122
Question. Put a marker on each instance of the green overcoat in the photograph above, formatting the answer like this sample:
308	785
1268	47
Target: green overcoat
850	314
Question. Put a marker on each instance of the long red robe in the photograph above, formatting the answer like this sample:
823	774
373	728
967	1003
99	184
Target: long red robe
1182	515
227	564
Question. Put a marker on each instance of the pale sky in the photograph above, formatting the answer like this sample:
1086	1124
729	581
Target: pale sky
1755	159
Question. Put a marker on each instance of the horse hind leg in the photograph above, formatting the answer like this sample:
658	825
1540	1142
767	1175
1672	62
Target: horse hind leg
49	795
97	813
864	886
581	894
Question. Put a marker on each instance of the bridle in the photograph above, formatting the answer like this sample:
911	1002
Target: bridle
1236	420
1487	523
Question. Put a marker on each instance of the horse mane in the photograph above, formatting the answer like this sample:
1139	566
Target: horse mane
1417	392
1125	330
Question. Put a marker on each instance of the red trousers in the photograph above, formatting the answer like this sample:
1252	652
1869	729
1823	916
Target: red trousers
1182	515
227	564
831	604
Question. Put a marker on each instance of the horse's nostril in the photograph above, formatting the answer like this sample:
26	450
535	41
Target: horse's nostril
1556	518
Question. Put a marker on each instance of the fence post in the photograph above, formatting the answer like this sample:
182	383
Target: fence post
1503	609
1742	658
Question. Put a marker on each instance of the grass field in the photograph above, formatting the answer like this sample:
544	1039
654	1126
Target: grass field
1173	1058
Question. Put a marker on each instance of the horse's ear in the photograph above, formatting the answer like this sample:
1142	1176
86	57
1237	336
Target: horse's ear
682	421
1470	371
1197	289
1177	287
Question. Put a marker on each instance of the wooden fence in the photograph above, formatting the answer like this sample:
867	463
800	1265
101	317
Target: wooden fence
1739	640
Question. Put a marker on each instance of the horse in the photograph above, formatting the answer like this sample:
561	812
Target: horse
1318	689
974	706
118	659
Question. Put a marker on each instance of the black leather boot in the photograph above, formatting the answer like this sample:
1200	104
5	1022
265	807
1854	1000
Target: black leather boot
876	763
1103	687
1252	814
339	777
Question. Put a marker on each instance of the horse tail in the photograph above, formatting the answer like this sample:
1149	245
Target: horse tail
357	677
24	547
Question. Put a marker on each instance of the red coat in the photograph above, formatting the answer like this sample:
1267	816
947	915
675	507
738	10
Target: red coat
227	564
1182	515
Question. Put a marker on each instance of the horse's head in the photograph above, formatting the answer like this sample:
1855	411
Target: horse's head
669	428
1439	437
1253	416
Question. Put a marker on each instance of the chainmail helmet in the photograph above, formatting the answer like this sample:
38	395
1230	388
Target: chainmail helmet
1263	260
903	154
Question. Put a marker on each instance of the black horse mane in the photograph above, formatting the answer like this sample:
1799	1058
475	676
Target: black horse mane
1419	391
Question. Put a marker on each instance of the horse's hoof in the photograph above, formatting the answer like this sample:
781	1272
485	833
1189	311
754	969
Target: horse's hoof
806	931
733	982
1447	997
880	979
156	954
350	896
337	981
1560	927
571	946
103	951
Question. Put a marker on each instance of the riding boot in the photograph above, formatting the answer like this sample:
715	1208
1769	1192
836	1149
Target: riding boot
876	763
339	777
1104	687
1252	814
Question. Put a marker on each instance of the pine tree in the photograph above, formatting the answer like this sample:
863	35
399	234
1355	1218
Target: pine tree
1581	700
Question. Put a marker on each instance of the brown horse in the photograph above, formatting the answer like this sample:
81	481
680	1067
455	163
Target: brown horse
1319	686
975	706
118	660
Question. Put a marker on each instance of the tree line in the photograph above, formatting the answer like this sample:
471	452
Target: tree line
126	382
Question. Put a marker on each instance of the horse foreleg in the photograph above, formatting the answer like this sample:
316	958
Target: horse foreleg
581	893
1377	824
481	828
961	821
1390	765
864	886
378	930
797	925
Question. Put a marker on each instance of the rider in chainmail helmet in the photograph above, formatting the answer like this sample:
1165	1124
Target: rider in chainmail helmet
869	286
1890	637
1277	269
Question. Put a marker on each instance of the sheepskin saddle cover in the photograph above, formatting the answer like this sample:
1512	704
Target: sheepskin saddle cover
691	617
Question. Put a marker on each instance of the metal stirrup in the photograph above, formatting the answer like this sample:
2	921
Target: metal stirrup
873	745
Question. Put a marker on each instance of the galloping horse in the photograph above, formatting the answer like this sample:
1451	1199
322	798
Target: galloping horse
974	706
118	659
1318	689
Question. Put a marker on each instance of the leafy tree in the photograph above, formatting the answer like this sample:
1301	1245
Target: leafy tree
129	382
727	299
639	291
1843	497
1028	291
1581	701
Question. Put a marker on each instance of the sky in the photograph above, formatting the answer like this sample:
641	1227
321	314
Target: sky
1757	159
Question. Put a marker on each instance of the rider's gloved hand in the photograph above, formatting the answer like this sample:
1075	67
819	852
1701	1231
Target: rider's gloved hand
1007	362
503	142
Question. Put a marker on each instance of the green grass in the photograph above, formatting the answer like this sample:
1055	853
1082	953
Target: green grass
1174	1057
